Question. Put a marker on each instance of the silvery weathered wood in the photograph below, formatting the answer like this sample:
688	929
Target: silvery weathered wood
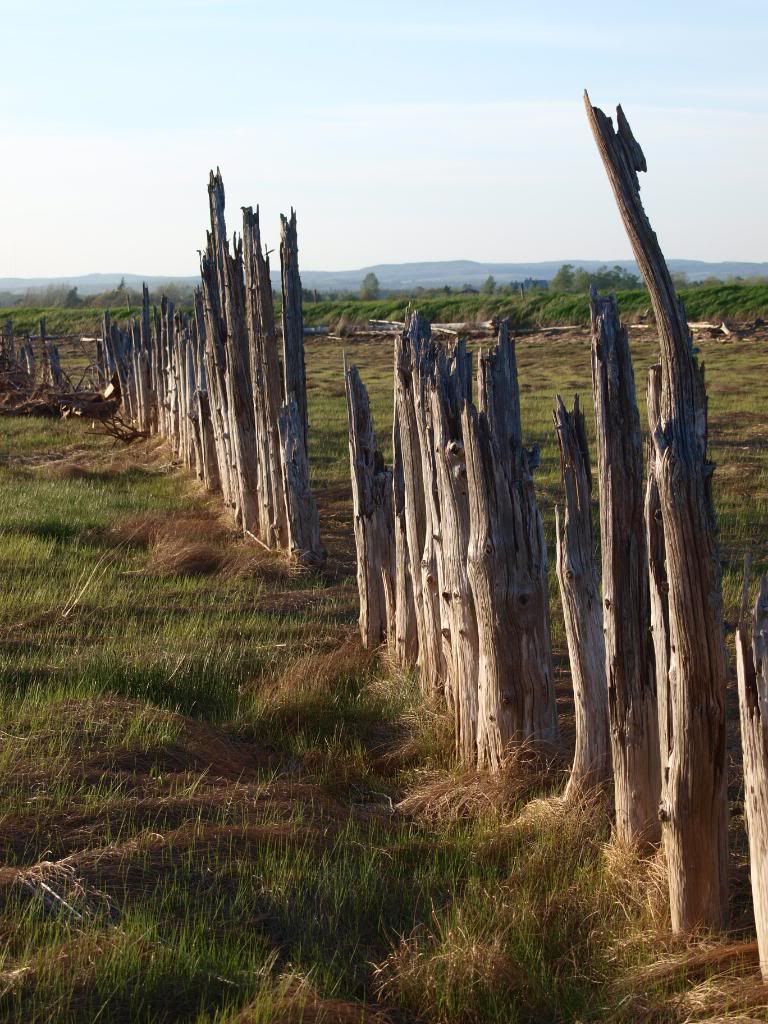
405	641
657	574
294	372
449	391
303	520
407	349
241	425
693	810
266	386
507	566
436	651
630	664
752	673
209	320
582	608
373	518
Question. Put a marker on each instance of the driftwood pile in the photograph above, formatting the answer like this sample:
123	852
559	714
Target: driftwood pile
451	539
33	383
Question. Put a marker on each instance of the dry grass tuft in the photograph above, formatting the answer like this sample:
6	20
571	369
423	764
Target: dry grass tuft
419	973
637	883
247	561
146	530
175	556
527	771
299	1003
64	470
323	670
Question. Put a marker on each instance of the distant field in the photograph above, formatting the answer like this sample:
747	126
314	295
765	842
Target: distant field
199	759
738	302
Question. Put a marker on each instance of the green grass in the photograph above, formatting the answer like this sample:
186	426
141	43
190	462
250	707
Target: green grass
706	302
203	767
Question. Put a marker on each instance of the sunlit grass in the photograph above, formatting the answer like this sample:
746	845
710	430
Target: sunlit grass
208	766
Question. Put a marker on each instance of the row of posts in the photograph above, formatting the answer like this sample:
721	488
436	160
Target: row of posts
452	573
213	383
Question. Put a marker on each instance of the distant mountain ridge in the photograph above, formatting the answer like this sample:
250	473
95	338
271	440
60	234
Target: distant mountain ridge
399	276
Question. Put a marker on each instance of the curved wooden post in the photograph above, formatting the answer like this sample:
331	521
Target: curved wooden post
694	810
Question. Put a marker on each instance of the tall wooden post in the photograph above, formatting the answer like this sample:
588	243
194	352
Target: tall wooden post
582	608
752	671
507	566
693	804
373	517
294	372
630	663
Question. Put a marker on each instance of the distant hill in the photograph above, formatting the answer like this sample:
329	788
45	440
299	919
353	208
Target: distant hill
400	276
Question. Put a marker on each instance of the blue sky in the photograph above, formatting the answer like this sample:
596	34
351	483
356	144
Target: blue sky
399	131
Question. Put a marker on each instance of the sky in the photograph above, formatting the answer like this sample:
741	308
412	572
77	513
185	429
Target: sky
400	130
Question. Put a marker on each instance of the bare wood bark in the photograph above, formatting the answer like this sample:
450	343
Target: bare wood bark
229	269
294	371
659	585
752	672
630	664
301	510
406	638
457	611
373	516
507	567
407	350
208	325
436	653
582	607
694	806
267	395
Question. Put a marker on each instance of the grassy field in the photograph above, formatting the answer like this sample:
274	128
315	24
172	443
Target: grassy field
214	806
711	302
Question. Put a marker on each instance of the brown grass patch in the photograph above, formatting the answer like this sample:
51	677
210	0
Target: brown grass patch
419	975
64	470
300	1003
248	561
638	884
149	529
177	556
527	771
324	669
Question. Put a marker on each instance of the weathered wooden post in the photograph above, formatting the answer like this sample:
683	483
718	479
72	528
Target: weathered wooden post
407	351
507	566
693	804
405	643
294	371
237	378
266	384
630	665
450	390
752	672
372	517
301	510
210	324
582	608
